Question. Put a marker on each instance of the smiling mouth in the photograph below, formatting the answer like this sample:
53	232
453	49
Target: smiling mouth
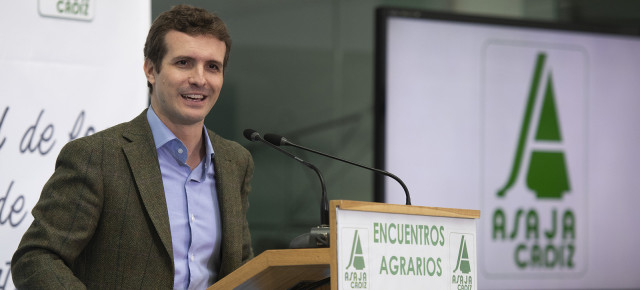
194	97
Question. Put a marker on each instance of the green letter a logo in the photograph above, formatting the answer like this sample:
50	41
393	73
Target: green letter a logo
463	258
547	172
356	259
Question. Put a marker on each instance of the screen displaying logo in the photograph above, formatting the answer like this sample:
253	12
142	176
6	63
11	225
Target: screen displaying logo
534	159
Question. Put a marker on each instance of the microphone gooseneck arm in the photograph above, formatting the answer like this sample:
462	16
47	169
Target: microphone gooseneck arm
253	136
280	141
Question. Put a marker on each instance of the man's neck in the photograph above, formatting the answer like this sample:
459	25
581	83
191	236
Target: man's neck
192	137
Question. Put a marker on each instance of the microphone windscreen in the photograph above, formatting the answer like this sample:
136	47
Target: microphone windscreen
250	134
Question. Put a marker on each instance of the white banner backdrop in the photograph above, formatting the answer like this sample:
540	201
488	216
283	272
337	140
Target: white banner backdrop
68	68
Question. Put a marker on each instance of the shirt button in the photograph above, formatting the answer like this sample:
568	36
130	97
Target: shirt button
193	218
192	258
180	150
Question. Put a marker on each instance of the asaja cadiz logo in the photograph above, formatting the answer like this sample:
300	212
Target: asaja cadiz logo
355	262
462	263
356	258
534	159
547	174
70	9
462	250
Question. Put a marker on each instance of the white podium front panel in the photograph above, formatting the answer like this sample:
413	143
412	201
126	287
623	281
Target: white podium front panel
400	251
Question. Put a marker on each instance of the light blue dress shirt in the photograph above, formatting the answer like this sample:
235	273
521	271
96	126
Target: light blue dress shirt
194	214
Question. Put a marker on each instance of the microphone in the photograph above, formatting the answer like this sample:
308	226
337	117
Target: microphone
280	141
252	135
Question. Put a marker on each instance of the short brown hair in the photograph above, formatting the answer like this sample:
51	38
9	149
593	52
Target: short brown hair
187	19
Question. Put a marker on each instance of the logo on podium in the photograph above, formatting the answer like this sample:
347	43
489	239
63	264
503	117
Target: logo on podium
462	263
356	272
356	259
461	250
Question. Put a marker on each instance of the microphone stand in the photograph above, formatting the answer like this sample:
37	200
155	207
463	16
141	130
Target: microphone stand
318	237
279	140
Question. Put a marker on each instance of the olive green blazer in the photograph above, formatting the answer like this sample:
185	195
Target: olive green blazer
102	220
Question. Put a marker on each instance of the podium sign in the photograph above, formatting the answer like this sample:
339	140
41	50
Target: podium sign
384	246
374	246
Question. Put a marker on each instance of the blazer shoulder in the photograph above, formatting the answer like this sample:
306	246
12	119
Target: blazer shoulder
139	126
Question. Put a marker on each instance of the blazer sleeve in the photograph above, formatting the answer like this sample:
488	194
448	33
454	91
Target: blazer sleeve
65	218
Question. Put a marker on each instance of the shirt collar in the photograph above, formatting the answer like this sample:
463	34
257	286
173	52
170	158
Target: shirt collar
162	135
209	148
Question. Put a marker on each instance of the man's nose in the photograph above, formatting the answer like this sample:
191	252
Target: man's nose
197	76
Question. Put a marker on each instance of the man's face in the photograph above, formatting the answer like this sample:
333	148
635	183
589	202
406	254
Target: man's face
190	78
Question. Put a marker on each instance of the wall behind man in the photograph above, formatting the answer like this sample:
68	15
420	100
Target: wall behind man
305	69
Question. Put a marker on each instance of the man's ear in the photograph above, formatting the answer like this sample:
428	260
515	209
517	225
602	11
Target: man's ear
149	70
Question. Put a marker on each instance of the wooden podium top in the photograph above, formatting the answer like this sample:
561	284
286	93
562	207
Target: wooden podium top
405	209
279	269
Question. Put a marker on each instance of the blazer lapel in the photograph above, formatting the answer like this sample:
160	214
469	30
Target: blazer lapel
229	200
143	160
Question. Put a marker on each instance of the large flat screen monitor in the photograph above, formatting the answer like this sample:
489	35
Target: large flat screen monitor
535	124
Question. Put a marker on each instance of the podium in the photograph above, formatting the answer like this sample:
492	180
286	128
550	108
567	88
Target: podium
375	246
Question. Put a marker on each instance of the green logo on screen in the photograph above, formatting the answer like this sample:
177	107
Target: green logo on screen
549	244
547	173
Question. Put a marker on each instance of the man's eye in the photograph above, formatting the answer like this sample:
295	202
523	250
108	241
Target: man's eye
213	66
181	62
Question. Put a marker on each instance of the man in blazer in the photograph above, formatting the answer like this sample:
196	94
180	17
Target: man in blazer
104	219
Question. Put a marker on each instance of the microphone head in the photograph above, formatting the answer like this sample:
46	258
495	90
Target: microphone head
275	139
251	135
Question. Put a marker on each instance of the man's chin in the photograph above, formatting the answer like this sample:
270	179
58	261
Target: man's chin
193	120
192	115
